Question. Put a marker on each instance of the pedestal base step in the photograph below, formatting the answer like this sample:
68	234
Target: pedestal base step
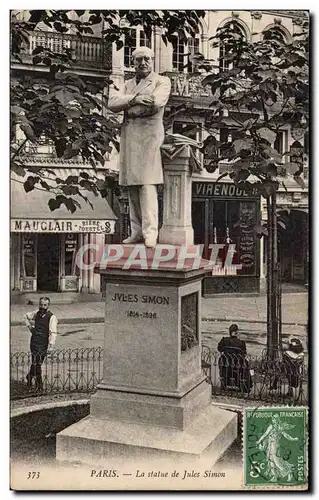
113	443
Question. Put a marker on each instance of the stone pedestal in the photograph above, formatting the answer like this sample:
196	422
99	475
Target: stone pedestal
177	226
154	401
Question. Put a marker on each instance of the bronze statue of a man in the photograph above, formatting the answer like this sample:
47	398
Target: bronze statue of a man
142	99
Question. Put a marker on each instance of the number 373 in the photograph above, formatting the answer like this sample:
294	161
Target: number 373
33	475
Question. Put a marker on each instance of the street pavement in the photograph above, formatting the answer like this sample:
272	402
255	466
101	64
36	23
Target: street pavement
88	335
221	308
81	325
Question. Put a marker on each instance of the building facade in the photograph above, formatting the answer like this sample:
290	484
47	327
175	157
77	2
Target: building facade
222	214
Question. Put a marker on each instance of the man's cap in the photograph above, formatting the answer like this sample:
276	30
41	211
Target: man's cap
143	51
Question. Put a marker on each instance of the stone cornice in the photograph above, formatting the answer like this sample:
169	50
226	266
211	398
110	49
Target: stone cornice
287	13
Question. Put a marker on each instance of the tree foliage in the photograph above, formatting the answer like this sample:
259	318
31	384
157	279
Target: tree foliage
264	88
67	109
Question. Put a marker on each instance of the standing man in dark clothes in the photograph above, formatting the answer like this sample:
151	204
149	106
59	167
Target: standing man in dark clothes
43	327
233	365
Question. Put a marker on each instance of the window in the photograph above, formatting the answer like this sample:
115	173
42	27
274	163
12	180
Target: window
29	255
133	39
192	130
306	143
228	135
198	222
274	34
280	143
70	249
225	218
297	156
181	52
226	49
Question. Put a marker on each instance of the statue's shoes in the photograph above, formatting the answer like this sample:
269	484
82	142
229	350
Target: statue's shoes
150	241
133	239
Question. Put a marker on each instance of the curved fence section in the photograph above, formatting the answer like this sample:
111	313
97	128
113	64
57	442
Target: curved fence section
272	379
64	370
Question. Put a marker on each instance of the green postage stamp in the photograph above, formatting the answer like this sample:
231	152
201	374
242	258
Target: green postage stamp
275	446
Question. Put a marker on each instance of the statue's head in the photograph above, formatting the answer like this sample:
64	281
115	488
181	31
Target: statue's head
275	419
143	61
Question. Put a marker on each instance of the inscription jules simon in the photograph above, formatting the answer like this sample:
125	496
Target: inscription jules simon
144	299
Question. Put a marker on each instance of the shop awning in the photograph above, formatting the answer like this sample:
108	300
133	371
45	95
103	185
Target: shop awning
30	213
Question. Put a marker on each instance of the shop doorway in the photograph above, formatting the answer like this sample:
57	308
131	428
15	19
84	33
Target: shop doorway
293	246
48	262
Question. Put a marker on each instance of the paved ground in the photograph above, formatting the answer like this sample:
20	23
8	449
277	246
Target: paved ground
84	327
86	335
226	308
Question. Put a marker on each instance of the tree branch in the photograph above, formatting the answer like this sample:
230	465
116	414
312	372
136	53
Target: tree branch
17	152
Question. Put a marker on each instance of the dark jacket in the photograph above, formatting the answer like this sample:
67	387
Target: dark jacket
232	345
40	332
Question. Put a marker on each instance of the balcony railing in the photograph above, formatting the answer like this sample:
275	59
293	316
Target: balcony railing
43	151
188	85
87	51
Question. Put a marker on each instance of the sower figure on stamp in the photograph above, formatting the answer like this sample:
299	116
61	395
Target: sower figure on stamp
43	327
142	99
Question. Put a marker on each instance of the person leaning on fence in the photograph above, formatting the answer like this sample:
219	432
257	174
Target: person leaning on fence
293	359
233	365
292	366
43	327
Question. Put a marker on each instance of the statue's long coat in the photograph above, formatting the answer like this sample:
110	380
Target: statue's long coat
142	132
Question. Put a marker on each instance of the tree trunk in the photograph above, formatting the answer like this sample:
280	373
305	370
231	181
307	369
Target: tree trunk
269	277
273	280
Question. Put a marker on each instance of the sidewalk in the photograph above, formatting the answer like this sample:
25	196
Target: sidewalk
226	308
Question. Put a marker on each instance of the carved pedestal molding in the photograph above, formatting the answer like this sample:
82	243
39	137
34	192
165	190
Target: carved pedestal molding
177	203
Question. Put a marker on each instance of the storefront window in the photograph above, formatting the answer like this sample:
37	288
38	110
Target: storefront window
225	217
232	222
29	255
70	249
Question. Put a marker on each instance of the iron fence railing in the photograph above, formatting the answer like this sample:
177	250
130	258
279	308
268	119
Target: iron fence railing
258	378
62	371
271	379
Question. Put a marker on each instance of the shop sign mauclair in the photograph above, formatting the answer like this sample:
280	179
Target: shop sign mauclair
62	226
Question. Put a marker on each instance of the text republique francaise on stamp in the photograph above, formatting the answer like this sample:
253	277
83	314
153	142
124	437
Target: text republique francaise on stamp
275	446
